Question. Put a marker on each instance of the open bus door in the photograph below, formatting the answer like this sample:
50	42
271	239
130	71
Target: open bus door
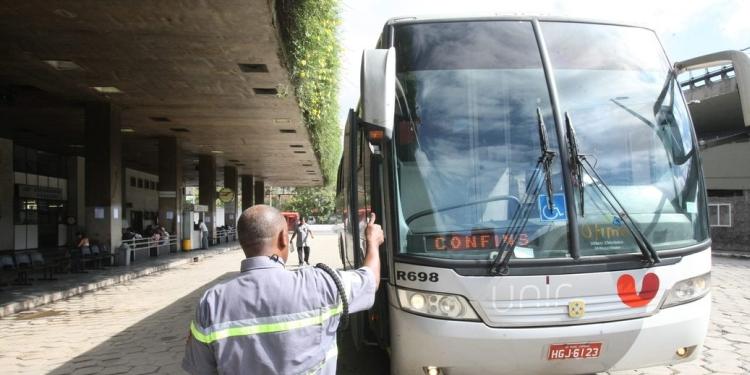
366	192
378	322
356	213
378	93
362	193
360	186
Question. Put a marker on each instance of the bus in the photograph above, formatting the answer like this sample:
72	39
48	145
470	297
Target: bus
539	184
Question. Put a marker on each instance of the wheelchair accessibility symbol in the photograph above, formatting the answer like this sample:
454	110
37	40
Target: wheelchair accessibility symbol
558	211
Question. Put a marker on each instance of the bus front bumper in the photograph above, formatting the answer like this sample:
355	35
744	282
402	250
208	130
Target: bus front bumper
472	347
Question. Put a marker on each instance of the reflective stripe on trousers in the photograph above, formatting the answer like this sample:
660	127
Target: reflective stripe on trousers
270	324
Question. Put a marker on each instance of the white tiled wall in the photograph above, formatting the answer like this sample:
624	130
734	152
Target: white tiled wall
32	179
26	237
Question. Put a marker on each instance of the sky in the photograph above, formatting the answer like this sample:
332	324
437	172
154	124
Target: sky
687	28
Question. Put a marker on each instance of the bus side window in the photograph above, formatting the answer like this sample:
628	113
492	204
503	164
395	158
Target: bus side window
339	182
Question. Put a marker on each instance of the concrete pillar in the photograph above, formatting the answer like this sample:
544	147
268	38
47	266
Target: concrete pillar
7	229
260	192
170	187
248	184
207	188
230	208
76	194
103	174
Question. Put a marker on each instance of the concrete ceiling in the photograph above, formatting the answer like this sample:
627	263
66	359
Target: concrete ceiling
177	65
718	114
715	108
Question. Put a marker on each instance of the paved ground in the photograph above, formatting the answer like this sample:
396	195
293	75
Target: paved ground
139	327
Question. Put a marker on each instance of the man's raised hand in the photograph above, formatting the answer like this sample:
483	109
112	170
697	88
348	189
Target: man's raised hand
373	232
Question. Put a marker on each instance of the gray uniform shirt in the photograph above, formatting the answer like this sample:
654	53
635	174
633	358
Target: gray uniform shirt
272	321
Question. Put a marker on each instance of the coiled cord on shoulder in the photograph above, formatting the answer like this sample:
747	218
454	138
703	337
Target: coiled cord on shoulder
344	321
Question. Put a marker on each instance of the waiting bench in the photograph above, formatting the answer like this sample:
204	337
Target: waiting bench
17	266
151	247
225	235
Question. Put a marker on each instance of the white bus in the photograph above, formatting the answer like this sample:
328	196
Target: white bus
540	188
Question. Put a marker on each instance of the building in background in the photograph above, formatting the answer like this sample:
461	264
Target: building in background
104	124
717	89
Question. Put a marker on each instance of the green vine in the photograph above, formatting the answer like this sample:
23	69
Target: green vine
312	49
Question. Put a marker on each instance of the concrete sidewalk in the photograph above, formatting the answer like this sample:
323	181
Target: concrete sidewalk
16	298
135	327
731	254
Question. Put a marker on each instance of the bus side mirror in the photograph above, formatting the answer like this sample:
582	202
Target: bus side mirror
378	89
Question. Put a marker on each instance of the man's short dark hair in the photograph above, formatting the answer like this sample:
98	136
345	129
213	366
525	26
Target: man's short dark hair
256	226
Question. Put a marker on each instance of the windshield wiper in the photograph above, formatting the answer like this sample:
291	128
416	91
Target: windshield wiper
533	188
546	158
582	165
576	167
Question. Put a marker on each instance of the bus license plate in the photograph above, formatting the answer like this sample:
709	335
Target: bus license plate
570	351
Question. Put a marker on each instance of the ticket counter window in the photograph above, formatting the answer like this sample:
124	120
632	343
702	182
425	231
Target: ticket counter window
45	215
26	212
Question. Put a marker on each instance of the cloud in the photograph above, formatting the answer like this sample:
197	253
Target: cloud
664	16
364	19
737	24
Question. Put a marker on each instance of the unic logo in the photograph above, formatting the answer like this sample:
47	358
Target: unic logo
628	294
529	296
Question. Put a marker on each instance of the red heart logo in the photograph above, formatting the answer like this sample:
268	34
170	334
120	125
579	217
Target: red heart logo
629	296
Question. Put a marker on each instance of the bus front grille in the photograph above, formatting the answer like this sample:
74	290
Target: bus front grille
551	312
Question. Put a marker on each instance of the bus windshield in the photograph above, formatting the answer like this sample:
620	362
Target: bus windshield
467	142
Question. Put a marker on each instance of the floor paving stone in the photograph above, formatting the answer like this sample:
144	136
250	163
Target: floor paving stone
139	327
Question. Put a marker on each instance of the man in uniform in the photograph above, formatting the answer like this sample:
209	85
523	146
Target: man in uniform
272	321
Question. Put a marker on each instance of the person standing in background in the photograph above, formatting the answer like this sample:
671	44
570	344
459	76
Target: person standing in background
303	235
204	234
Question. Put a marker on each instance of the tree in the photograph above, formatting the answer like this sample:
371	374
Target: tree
313	201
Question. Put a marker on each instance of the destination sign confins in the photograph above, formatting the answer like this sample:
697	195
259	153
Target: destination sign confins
474	241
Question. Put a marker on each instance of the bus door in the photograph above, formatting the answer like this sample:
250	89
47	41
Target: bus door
373	182
346	195
360	195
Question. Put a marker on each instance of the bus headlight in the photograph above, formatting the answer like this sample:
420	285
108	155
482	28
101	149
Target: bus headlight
440	305
688	290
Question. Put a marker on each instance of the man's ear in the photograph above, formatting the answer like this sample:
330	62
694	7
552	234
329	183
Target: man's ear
283	244
282	240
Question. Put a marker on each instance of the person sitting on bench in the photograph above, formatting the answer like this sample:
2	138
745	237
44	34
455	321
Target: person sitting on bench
82	247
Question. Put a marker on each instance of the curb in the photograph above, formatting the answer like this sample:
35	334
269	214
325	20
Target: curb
36	301
724	254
